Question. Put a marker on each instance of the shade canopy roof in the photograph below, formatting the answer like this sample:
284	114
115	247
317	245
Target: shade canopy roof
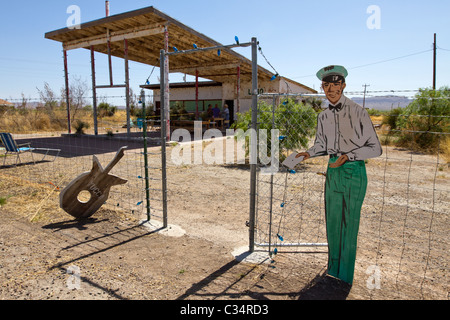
144	31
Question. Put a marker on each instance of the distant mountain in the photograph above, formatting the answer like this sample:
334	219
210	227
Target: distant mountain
383	102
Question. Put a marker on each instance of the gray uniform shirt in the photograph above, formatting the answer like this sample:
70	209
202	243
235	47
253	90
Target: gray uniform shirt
346	131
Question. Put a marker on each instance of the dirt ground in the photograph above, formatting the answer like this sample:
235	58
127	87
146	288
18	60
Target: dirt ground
118	258
46	254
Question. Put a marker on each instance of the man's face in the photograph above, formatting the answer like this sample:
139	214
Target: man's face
333	90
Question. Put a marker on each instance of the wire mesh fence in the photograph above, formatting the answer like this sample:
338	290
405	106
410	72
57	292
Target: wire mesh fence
404	221
404	224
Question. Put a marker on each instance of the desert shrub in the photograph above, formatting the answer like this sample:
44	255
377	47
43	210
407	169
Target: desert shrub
296	123
80	126
41	121
391	118
423	122
104	109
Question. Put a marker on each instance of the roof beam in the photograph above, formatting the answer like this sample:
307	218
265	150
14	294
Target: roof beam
204	68
114	36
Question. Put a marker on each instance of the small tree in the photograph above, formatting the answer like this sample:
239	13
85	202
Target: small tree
77	97
49	100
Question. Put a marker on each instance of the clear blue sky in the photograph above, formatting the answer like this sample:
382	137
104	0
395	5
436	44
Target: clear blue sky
298	38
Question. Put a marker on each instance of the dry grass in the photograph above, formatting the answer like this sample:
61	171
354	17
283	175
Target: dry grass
36	202
31	200
446	150
377	119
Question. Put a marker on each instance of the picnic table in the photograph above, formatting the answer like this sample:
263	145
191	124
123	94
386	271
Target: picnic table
189	124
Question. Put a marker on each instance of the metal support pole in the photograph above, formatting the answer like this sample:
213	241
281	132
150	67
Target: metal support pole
147	184
166	83
127	86
66	78
271	183
163	132
94	91
253	145
241	45
111	82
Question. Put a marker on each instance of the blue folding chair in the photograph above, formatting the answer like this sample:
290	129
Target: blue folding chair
12	147
140	123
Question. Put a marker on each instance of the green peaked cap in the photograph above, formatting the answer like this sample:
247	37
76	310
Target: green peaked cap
332	71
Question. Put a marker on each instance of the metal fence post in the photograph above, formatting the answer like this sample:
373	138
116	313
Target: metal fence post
164	105
253	145
144	130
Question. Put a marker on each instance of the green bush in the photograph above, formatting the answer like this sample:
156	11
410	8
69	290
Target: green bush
296	123
105	110
392	118
80	126
422	121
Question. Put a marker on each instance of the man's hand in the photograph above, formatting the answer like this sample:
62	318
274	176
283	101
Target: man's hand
305	155
339	162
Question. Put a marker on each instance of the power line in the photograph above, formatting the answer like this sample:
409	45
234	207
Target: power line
374	63
388	60
149	95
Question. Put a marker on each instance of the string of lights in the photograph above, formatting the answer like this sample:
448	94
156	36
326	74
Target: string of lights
276	75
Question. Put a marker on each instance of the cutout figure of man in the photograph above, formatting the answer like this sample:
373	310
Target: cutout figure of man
346	134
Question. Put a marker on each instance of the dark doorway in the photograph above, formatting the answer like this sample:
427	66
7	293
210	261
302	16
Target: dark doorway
157	109
230	104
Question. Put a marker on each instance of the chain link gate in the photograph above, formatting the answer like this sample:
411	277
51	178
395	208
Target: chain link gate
154	171
289	203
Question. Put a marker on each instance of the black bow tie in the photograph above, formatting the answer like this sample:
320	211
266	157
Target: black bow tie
336	107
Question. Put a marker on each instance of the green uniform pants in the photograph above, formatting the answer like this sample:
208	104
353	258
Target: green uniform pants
345	189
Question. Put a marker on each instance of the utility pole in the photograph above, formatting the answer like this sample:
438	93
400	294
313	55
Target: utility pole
364	100
434	63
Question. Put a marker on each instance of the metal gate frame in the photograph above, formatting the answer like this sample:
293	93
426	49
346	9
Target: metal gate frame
165	116
255	181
